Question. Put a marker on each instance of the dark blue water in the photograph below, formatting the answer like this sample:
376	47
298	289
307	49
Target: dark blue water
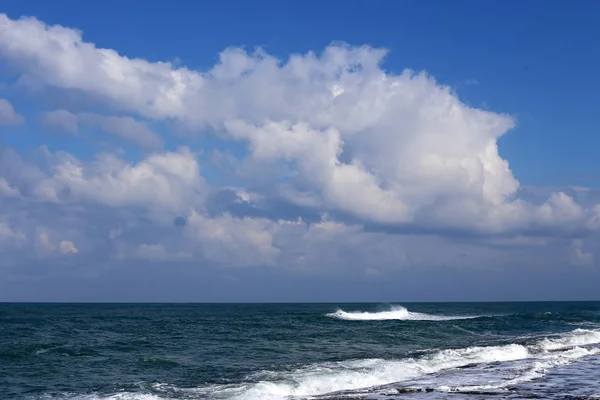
281	351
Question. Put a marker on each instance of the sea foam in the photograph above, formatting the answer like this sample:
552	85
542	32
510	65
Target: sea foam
328	378
395	313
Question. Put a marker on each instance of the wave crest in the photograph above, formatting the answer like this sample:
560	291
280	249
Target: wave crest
395	313
327	378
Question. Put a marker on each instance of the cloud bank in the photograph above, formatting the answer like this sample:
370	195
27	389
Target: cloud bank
344	165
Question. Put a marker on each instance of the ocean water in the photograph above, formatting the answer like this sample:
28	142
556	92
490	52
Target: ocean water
300	351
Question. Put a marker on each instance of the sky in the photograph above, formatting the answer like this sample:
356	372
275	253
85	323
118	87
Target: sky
234	151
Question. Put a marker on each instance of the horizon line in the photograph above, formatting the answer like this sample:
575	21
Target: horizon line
296	302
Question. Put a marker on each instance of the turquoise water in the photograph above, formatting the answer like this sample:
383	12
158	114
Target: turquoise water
289	351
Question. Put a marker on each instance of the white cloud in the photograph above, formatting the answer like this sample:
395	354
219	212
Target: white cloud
320	247
581	257
45	244
67	247
8	235
235	241
594	222
126	128
7	190
168	181
57	56
123	238
385	148
8	115
62	121
327	247
346	186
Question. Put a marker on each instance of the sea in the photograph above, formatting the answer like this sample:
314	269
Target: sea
419	351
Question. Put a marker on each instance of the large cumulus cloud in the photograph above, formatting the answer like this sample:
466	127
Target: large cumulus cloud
335	133
384	147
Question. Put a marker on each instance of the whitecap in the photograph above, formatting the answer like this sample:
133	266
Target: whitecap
395	313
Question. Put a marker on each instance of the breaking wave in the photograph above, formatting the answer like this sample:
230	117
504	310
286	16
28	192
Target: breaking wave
532	361
395	313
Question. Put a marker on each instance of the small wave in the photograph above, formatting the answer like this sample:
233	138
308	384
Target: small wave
395	313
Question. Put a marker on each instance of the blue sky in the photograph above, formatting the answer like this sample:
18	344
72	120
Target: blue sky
312	161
